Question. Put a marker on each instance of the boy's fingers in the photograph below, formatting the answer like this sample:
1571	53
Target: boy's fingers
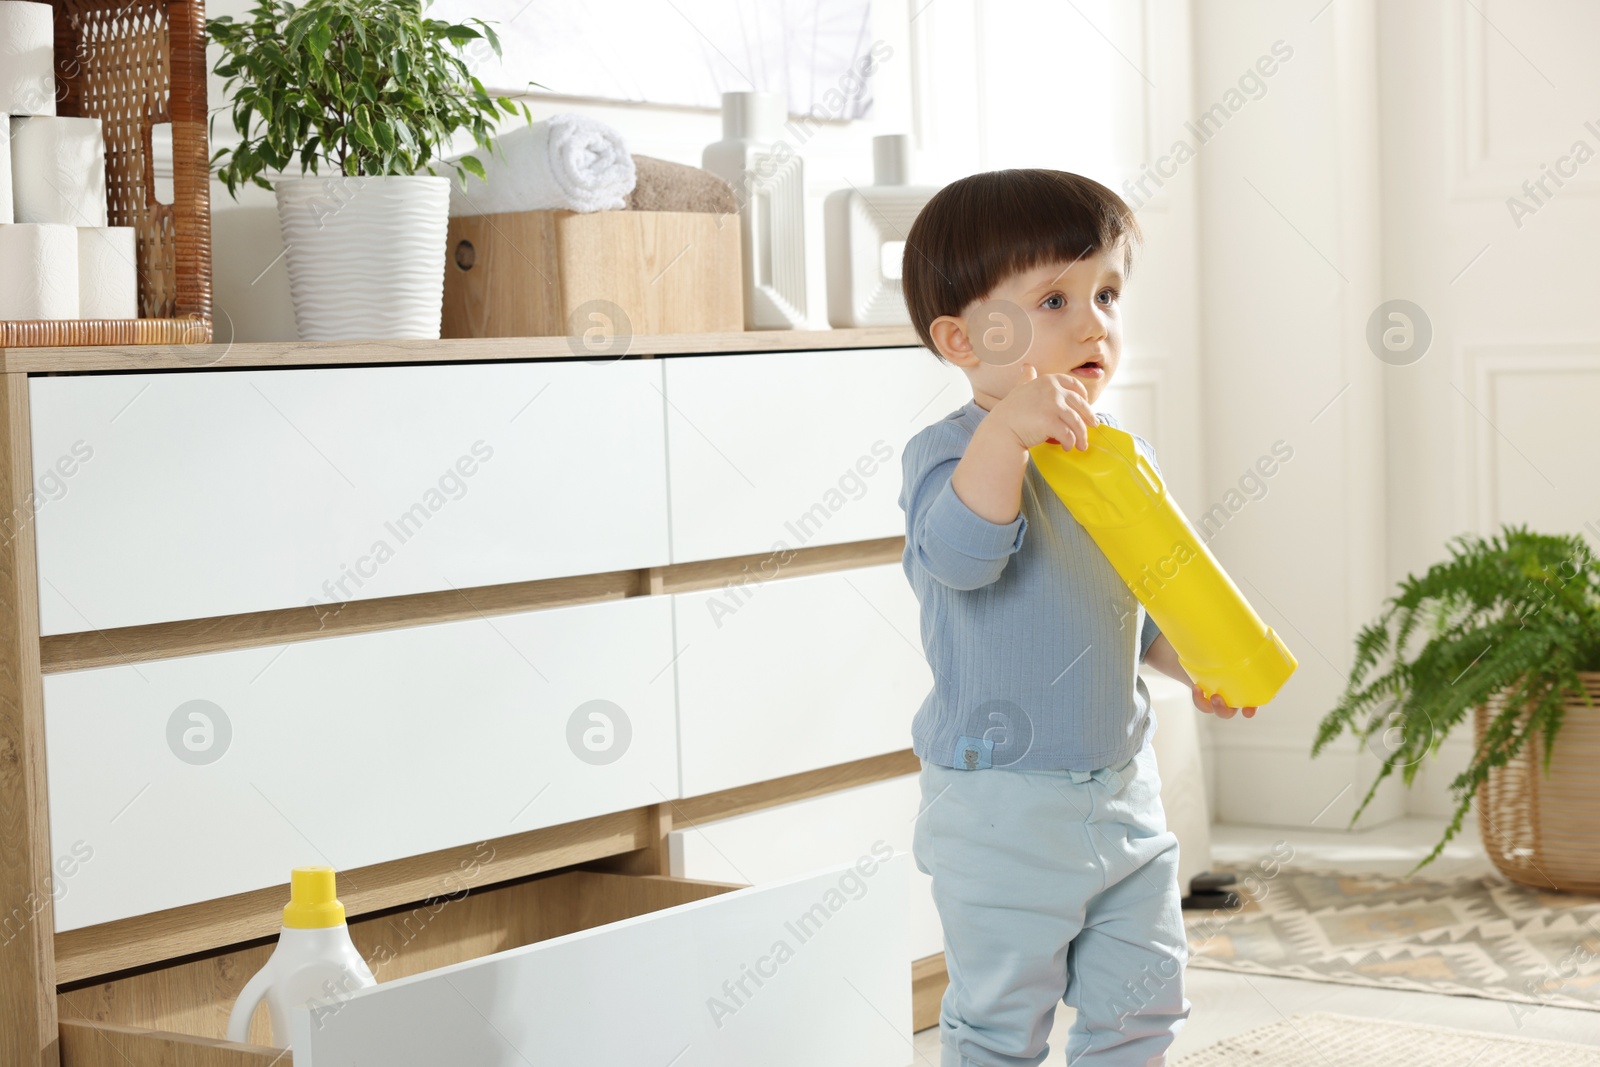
1215	705
1074	424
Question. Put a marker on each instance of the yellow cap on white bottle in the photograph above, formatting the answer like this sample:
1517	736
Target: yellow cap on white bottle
313	903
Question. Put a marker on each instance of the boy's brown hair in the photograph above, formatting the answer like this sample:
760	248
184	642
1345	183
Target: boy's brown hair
979	230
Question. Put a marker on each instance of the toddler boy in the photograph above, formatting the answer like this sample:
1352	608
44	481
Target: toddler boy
1054	873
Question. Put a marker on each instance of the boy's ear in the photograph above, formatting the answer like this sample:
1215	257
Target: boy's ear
949	333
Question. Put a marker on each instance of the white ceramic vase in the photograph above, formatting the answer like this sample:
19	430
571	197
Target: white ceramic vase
365	254
864	234
768	180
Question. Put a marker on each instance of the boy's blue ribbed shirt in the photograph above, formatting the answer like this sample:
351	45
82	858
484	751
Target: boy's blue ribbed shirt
1033	638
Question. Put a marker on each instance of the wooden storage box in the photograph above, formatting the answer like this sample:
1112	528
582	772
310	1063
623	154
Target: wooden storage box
133	66
626	273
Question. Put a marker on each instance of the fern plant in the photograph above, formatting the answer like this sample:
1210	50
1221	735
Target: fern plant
1517	614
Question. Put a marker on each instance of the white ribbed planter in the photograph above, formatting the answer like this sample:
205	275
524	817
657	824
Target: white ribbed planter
365	254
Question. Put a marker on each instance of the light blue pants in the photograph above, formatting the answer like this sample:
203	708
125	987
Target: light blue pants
1055	886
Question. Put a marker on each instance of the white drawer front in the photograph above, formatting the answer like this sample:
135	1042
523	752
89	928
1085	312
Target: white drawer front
351	750
209	492
797	448
821	961
792	674
781	842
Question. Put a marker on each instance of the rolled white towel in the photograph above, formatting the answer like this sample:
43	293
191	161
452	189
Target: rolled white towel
567	162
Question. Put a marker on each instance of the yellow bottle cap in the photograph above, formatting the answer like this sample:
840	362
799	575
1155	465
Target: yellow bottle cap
312	903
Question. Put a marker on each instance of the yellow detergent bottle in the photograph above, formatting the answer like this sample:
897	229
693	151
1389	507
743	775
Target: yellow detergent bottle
1117	496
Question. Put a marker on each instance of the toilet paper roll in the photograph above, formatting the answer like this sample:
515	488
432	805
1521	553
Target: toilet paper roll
38	271
108	279
58	170
5	172
27	59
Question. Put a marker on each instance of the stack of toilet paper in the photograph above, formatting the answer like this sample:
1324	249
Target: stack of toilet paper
58	258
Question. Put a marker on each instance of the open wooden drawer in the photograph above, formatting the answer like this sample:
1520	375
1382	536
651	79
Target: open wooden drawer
575	966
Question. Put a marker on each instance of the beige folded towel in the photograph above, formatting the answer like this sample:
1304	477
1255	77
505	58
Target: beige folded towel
666	186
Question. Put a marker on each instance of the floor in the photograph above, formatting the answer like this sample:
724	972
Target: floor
1225	1004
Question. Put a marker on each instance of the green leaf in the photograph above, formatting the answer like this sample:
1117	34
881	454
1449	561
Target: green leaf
494	39
320	38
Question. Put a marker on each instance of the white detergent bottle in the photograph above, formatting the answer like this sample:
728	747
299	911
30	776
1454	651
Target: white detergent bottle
315	963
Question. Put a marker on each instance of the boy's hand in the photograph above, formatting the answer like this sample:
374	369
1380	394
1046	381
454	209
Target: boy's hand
1039	408
1217	706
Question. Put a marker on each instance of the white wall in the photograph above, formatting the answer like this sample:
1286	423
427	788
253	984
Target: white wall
1494	424
1290	267
1380	165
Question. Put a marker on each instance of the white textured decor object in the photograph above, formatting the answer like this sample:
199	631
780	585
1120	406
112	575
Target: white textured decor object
27	58
58	170
865	233
365	254
768	180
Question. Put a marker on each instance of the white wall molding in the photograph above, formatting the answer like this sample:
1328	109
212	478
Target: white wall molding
1479	168
1486	445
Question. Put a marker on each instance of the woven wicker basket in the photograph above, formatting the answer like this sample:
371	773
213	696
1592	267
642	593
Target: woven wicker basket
1541	831
133	64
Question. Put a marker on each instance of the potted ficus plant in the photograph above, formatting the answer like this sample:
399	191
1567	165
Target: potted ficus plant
364	95
1509	629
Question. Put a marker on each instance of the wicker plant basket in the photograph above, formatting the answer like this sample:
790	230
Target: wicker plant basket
133	64
1540	831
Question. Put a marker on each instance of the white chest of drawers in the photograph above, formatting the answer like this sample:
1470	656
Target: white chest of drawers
443	616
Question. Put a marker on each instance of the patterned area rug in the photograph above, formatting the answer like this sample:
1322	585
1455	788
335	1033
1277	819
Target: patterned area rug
1322	1038
1472	937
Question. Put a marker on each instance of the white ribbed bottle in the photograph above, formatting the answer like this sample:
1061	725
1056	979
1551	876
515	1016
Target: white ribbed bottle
314	966
865	234
768	180
365	254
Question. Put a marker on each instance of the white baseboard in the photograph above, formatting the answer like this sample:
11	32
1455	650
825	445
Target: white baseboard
1277	783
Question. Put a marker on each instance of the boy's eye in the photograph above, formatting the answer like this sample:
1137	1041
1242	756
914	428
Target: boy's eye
1107	295
1054	301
